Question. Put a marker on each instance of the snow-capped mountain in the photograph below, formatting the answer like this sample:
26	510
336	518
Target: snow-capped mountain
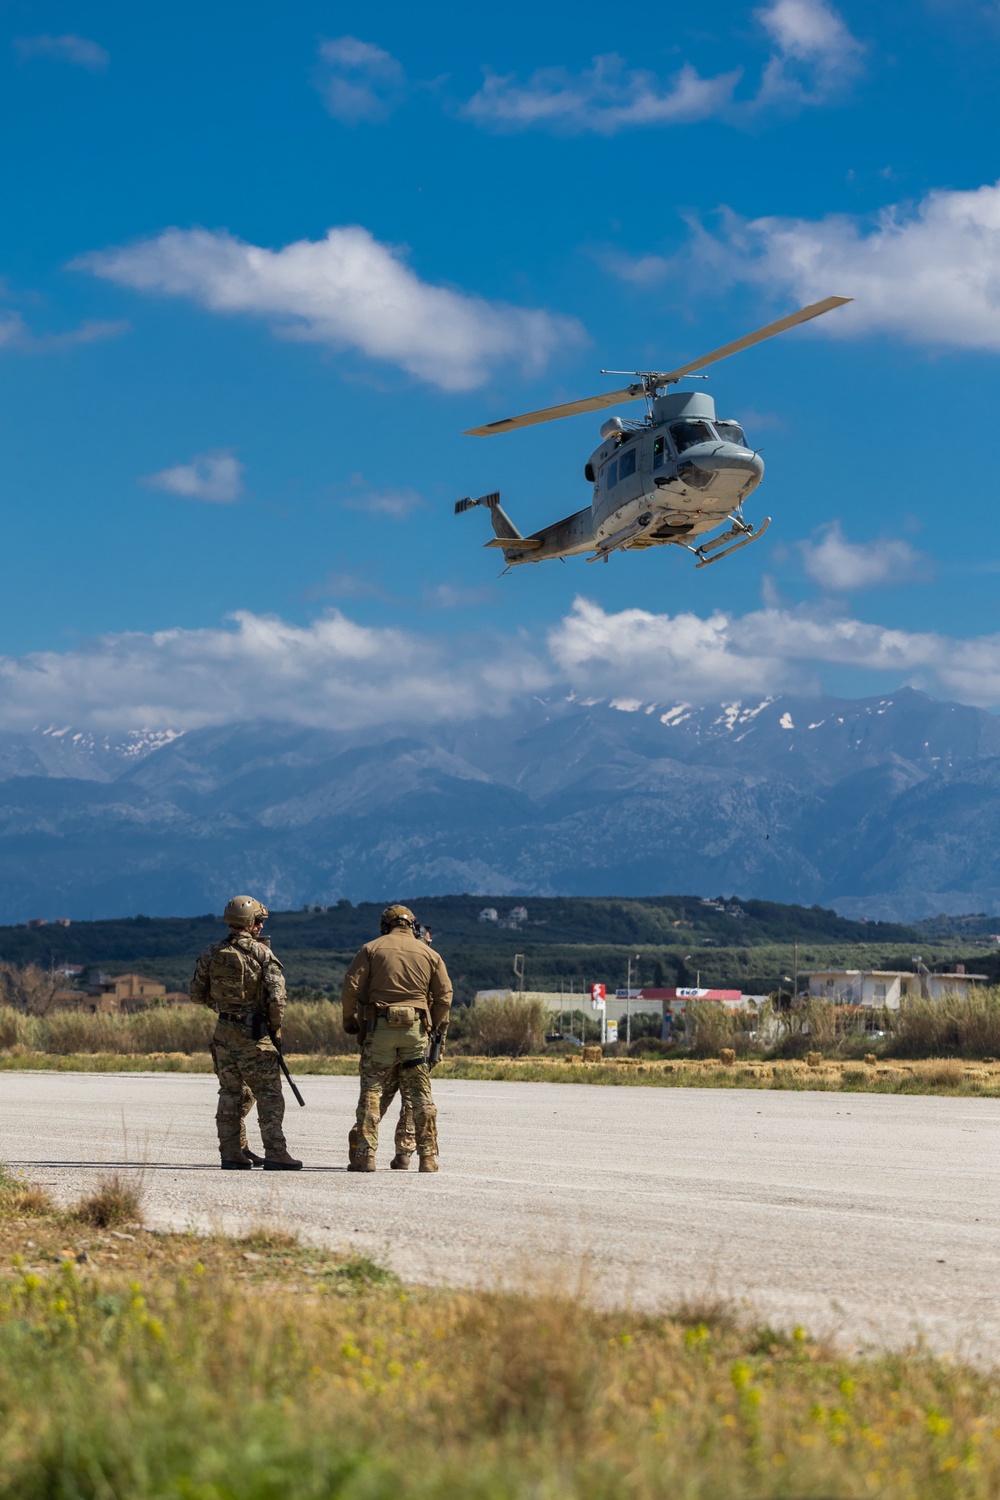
885	807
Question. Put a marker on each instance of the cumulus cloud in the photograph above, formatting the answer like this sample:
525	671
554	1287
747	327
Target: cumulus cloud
332	673
928	272
335	673
841	566
215	476
76	50
16	334
347	291
813	56
660	658
358	81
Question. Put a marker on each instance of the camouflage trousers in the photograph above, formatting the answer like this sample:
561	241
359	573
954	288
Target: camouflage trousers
247	1072
393	1058
405	1139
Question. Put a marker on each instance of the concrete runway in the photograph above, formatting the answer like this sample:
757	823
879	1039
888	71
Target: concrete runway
871	1217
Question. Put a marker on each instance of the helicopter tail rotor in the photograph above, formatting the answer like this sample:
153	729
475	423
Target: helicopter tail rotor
490	502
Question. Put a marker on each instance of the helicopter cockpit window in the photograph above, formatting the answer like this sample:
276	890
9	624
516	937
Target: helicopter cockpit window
732	432
612	474
686	434
658	453
626	464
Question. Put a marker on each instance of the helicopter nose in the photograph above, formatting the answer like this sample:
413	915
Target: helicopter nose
728	457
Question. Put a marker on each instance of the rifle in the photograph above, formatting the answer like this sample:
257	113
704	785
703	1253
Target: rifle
436	1047
284	1067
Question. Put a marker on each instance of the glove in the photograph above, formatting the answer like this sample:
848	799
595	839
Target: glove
276	1036
352	1028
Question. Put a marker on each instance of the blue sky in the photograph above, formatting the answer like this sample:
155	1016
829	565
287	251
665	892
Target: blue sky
262	264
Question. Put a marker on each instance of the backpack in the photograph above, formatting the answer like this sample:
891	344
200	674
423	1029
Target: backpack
234	979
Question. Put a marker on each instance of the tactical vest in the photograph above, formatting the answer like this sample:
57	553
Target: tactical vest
234	978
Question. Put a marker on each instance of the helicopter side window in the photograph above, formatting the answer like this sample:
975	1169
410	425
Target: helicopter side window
612	474
732	432
658	453
626	464
686	434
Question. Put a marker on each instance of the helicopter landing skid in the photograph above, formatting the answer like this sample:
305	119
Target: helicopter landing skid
743	532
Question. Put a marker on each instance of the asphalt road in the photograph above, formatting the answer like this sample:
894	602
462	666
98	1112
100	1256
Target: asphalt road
867	1216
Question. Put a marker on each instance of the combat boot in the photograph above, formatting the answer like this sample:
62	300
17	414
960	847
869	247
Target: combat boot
401	1161
428	1164
364	1161
280	1161
352	1144
252	1157
236	1164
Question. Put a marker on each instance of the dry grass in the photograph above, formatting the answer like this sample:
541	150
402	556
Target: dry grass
20	1199
115	1201
261	1367
507	1028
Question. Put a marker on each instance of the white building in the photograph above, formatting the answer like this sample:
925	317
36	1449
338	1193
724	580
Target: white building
878	987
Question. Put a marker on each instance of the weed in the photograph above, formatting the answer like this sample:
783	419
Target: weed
267	1237
359	1272
115	1200
20	1199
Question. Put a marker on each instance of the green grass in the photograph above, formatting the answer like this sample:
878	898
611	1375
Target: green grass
207	1382
155	1366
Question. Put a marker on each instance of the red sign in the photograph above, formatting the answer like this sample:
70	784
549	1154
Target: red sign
598	995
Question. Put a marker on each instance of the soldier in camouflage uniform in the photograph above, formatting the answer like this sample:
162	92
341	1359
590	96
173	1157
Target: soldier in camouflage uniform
395	991
406	1139
242	981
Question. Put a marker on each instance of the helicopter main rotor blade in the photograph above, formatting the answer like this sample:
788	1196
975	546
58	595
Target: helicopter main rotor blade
551	413
652	380
814	310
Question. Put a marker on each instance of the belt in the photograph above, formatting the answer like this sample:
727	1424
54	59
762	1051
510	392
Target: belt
238	1018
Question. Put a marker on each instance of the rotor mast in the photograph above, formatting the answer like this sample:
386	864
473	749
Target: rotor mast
648	382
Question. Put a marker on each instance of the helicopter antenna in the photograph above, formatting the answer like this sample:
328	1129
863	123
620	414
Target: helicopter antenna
648	382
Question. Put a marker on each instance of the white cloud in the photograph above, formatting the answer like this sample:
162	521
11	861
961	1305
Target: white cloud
815	53
347	291
929	273
339	674
15	334
841	566
604	98
397	503
660	658
358	81
77	50
331	673
814	56
214	476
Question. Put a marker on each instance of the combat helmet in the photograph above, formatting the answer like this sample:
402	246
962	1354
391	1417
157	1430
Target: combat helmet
397	916
244	912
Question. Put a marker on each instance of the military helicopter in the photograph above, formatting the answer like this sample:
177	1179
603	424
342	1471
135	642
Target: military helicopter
669	479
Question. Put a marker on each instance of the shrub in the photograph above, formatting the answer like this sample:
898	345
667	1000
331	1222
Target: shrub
316	1027
116	1199
968	1027
21	1200
710	1028
507	1028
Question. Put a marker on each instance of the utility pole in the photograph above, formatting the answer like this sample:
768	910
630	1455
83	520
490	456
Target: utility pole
628	1001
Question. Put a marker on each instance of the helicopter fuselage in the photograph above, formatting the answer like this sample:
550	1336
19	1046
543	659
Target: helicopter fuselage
671	479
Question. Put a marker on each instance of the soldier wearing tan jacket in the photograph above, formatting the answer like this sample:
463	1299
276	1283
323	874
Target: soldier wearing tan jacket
396	990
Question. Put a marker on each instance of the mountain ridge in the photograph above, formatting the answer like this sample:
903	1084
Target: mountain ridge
883	807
